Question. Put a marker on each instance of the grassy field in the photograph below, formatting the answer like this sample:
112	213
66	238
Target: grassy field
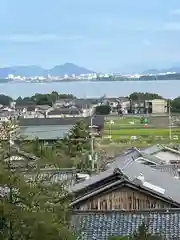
143	132
128	127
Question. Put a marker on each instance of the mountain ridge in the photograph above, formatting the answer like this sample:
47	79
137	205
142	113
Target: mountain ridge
165	70
34	70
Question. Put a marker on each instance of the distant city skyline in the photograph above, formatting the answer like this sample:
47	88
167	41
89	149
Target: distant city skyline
103	35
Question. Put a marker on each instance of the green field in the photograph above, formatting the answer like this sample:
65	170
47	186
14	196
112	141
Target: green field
127	127
142	132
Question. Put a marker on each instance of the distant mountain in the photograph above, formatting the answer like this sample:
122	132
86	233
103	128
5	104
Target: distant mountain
69	69
32	71
155	71
151	71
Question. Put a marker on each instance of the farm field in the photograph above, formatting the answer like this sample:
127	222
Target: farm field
131	128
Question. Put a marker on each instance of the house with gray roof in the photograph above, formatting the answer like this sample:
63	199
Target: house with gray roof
115	202
145	158
45	129
52	129
163	153
5	116
64	112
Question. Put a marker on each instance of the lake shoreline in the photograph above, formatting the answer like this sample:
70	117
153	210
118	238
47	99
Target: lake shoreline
79	81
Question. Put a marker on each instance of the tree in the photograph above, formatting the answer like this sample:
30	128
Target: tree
76	145
5	100
103	110
43	99
139	96
31	210
175	105
71	151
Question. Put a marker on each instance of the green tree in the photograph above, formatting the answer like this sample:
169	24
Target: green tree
32	209
43	99
175	105
76	146
139	96
5	100
103	110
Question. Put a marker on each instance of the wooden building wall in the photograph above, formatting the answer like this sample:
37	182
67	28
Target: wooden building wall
124	198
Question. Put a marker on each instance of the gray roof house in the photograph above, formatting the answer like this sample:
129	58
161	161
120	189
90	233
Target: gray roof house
145	158
115	202
68	111
52	128
5	116
164	153
45	128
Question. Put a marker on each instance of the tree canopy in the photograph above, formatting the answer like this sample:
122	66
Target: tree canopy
43	99
103	109
31	208
139	96
175	105
5	100
71	151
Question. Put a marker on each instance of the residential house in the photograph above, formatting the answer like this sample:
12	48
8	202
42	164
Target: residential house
26	111
115	202
147	158
161	152
119	104
124	105
138	107
64	112
87	106
5	116
32	111
155	106
45	129
51	129
43	108
63	102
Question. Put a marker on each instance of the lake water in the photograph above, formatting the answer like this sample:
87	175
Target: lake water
169	89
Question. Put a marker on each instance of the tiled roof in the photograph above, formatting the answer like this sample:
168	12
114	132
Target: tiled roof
152	158
97	120
126	158
161	179
49	132
48	121
154	149
172	169
5	113
101	225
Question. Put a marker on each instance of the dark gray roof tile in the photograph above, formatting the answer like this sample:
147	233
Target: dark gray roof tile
172	169
101	225
153	149
98	120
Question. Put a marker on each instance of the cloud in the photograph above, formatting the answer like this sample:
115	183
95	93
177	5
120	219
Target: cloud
172	26
175	12
36	38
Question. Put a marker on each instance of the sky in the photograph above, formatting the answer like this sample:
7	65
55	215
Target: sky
102	35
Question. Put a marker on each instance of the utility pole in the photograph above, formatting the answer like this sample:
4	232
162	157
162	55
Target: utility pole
92	144
170	122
